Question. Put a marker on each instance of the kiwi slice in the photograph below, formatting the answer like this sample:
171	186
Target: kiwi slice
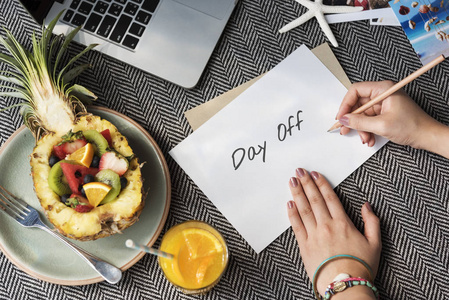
112	179
100	143
57	180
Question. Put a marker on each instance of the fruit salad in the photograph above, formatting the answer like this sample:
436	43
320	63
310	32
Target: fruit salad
86	170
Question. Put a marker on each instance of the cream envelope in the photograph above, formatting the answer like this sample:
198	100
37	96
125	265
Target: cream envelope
243	157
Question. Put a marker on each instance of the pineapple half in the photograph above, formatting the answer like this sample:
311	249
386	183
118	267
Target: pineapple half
51	108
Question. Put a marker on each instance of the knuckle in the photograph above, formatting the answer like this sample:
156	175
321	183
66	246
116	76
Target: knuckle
326	230
342	225
306	211
315	199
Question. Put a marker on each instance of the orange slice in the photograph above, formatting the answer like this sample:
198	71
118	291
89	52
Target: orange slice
83	155
96	191
201	243
202	269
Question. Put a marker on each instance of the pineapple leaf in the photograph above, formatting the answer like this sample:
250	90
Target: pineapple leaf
73	73
34	78
17	89
12	106
12	79
64	47
88	48
12	61
55	44
14	95
82	94
19	54
47	33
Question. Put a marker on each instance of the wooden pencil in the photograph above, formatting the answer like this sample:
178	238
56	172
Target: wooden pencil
394	88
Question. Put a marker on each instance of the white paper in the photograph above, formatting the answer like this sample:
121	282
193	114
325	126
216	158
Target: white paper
253	197
363	15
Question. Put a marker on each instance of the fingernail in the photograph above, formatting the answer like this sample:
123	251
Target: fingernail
290	204
293	182
368	207
315	175
344	120
300	172
363	142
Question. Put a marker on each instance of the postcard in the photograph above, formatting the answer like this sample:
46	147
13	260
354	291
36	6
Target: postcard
426	25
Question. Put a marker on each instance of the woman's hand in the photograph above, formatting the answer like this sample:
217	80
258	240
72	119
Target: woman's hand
323	229
398	117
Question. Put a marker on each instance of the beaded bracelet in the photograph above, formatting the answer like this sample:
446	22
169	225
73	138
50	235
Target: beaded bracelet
341	285
327	260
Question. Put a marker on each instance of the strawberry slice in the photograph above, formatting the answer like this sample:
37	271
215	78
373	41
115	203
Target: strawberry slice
115	162
71	147
107	135
59	151
83	208
79	203
66	148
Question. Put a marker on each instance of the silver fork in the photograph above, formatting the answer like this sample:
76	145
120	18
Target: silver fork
27	216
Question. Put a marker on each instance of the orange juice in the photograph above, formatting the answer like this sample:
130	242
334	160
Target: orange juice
200	256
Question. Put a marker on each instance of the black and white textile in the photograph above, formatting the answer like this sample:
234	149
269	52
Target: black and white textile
407	188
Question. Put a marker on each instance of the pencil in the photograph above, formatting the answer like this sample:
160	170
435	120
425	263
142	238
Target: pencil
394	88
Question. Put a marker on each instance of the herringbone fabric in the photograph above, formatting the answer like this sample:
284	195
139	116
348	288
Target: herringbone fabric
408	188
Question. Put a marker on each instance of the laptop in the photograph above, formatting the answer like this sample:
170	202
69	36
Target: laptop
172	39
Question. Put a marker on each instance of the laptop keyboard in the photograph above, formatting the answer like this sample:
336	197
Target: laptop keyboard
120	21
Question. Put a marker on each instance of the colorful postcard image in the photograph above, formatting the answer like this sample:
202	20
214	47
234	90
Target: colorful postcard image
366	4
426	24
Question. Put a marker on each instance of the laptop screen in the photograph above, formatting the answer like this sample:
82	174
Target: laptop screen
38	8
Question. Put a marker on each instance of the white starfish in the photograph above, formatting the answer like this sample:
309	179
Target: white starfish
317	9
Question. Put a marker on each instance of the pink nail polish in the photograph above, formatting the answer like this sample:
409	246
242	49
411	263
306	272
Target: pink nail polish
293	182
344	120
315	175
290	204
300	172
368	207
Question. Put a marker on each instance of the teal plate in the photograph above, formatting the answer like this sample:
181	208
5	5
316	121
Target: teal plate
44	257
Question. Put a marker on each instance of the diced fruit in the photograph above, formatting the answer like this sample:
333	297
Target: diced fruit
95	192
83	155
75	173
64	198
88	178
53	160
66	148
112	179
114	161
95	162
56	180
81	189
83	208
123	182
107	135
79	203
54	108
100	143
58	151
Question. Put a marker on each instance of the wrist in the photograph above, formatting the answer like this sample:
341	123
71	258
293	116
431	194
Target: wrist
436	139
343	265
355	292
